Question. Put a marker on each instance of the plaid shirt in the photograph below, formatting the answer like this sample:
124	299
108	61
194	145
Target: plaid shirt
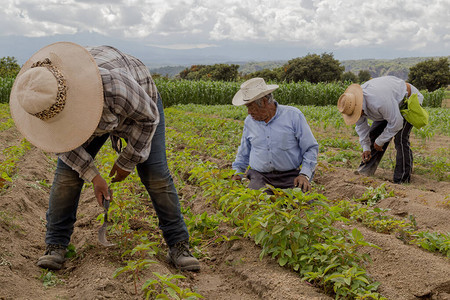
129	111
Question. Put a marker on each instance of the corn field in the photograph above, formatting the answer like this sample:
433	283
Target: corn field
175	92
301	93
5	89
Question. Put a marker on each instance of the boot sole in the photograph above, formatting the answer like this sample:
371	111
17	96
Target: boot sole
194	268
49	264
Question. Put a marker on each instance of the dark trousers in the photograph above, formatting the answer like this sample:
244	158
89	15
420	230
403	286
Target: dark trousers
404	157
278	179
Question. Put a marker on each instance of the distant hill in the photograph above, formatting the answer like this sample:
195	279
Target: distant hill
377	67
250	67
380	67
169	71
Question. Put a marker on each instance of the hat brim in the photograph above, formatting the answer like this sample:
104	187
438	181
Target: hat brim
356	90
238	98
84	100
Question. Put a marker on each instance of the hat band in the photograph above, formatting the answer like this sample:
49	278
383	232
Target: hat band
60	102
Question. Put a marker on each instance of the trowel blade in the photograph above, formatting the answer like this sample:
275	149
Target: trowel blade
102	236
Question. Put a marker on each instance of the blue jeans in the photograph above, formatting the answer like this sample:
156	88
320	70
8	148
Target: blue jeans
154	174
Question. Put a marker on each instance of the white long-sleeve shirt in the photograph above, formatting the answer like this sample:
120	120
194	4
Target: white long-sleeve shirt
382	97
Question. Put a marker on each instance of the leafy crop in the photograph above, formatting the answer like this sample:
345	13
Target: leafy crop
295	233
5	88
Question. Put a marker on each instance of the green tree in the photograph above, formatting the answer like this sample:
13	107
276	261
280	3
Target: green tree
349	76
363	76
9	67
222	72
313	68
268	75
430	74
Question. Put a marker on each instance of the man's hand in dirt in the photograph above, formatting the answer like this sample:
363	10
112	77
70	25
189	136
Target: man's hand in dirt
236	177
100	189
118	173
303	183
365	156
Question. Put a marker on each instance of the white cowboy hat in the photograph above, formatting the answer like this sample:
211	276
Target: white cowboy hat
350	104
252	90
57	98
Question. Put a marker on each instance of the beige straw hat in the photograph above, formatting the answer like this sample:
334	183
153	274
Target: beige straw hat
57	98
350	104
252	90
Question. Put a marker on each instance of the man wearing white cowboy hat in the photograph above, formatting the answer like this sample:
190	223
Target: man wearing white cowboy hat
379	100
69	99
276	142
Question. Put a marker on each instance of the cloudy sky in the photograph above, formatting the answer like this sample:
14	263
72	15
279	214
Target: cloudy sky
173	31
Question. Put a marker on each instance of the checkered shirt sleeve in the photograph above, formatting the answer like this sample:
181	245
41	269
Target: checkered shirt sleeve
129	111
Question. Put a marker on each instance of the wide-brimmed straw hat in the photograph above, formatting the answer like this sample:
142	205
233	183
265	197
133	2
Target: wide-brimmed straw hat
350	104
252	90
57	98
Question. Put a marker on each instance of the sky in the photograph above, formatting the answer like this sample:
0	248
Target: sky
197	31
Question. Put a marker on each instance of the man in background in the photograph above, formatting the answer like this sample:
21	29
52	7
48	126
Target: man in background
277	142
379	100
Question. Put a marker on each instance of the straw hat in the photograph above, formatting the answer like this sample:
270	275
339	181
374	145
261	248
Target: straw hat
57	98
252	90
350	104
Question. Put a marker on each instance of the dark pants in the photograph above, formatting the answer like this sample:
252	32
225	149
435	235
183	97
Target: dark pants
404	157
278	179
154	174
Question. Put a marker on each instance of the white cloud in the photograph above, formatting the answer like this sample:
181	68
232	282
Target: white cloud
396	24
184	46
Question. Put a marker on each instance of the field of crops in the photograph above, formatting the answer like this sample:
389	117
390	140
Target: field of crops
363	238
301	93
220	93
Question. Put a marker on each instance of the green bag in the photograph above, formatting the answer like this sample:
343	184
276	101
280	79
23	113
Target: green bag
415	114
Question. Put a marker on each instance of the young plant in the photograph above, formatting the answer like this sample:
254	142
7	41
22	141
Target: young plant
163	288
49	279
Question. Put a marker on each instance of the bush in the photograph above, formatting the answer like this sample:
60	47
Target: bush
350	76
9	68
430	74
313	68
211	72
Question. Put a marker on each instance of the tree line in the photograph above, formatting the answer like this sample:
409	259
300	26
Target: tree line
430	74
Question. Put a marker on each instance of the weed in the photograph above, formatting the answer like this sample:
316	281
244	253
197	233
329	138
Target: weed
163	287
49	279
71	251
8	221
373	195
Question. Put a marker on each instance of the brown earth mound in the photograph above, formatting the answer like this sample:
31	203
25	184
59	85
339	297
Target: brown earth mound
230	270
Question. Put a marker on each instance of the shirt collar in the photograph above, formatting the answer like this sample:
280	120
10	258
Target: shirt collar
277	112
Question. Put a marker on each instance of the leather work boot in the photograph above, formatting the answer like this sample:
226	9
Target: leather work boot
53	258
181	257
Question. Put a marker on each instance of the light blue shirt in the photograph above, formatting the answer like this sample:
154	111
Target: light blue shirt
282	144
382	97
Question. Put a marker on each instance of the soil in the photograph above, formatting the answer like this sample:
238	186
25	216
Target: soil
231	270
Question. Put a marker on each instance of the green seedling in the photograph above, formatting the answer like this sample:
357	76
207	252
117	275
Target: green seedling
49	279
163	287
